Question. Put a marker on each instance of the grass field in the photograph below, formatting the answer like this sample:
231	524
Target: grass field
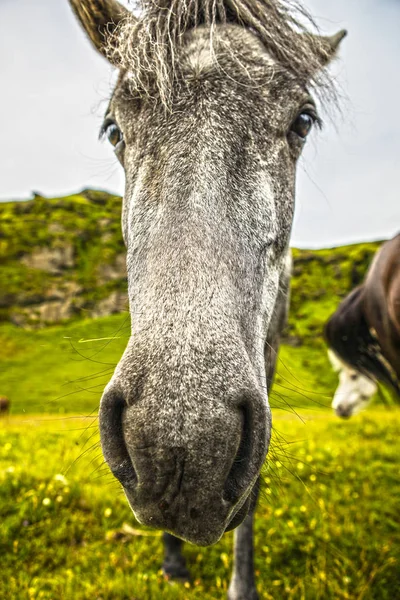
63	369
328	523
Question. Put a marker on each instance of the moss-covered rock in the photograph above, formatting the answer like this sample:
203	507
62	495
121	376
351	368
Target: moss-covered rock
60	258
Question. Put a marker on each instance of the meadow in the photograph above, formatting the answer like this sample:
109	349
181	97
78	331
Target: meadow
327	524
64	368
328	521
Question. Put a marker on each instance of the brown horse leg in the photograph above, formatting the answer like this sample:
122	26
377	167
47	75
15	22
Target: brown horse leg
174	565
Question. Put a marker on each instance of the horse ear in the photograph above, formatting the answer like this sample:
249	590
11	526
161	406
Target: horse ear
337	364
326	46
99	19
332	43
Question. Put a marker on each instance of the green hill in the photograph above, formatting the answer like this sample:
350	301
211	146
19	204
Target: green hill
63	259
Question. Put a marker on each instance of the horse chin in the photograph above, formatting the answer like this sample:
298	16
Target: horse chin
240	516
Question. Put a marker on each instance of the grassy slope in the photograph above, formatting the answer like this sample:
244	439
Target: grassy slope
327	525
64	369
57	369
321	278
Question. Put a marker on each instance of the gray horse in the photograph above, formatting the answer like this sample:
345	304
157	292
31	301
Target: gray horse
208	119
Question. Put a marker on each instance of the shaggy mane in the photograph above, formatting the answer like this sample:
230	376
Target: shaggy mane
149	46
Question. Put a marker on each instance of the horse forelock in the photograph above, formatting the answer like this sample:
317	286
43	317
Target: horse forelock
149	47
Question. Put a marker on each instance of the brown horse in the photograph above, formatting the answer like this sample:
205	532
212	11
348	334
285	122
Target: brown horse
209	116
364	333
4	405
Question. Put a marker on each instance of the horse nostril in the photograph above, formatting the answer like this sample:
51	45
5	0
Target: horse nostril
233	485
112	408
343	412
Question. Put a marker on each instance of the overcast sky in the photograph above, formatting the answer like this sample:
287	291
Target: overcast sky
54	89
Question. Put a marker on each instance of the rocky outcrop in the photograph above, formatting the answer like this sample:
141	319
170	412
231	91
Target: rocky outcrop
58	310
52	260
115	303
114	271
53	312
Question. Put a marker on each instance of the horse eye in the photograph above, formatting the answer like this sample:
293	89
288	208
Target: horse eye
354	376
114	134
303	125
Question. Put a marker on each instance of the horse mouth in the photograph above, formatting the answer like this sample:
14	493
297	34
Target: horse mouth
194	526
165	486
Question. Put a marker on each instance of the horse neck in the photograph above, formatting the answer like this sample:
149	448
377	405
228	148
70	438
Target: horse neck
384	328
